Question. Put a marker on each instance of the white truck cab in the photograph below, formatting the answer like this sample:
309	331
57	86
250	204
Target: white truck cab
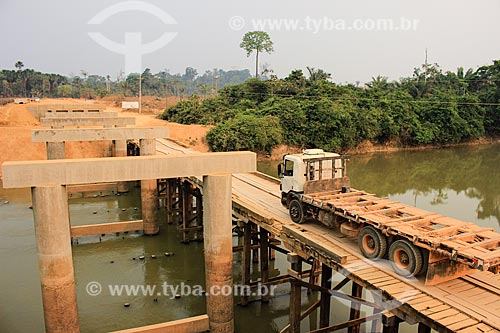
309	166
312	171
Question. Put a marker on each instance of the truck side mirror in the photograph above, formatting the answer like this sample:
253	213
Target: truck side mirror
280	170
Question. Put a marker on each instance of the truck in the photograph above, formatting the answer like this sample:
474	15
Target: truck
315	187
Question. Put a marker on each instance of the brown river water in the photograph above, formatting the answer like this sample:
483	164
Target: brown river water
462	182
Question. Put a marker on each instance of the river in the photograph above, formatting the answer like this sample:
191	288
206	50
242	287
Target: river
462	182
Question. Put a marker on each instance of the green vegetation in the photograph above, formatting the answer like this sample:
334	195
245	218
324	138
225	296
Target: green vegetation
430	107
28	83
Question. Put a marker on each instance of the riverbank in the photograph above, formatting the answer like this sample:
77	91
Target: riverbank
368	147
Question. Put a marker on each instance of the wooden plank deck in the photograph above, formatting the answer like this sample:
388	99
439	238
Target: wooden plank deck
462	305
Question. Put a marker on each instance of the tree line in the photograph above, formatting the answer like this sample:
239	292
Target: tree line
431	106
30	83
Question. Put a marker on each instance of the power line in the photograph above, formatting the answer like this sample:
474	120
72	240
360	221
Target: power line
421	101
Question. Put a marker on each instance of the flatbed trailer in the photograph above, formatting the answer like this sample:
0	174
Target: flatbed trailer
415	240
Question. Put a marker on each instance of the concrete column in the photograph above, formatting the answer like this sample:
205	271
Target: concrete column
55	262
55	151
121	151
149	196
218	251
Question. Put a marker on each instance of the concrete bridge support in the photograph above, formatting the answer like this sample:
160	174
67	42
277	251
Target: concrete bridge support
52	229
56	151
121	151
149	195
218	251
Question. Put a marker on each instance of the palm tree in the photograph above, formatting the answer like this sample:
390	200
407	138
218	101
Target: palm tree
19	65
317	74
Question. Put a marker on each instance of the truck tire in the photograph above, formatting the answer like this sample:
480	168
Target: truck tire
372	243
406	259
296	211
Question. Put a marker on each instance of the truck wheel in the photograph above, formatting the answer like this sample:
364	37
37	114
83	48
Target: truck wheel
406	258
372	243
296	211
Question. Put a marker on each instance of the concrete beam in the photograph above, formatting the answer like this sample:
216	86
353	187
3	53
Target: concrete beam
18	174
89	121
66	114
97	134
105	228
188	325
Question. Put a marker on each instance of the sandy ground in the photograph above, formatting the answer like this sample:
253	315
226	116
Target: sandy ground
16	123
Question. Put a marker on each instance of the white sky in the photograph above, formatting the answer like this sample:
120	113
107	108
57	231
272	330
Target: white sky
52	36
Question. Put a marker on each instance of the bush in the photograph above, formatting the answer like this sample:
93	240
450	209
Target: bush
245	132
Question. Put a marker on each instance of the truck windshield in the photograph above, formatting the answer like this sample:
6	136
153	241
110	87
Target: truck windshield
288	168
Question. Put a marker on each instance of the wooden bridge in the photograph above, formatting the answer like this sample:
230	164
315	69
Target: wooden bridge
467	304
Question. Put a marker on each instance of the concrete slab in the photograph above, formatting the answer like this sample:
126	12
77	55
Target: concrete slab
97	134
18	174
40	110
107	114
90	121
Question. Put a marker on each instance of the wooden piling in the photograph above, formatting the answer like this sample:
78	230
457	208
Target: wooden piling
325	300
264	262
295	293
357	291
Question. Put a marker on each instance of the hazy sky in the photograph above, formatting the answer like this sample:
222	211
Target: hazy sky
340	37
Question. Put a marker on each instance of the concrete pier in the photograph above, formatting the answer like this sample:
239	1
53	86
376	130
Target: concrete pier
121	151
55	262
149	196
56	151
218	251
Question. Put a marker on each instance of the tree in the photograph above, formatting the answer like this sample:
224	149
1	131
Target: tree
258	41
19	65
316	75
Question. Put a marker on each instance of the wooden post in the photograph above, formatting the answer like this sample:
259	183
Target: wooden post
272	252
170	200
393	327
186	211
199	213
245	275
255	251
357	291
264	262
324	310
422	328
313	278
295	293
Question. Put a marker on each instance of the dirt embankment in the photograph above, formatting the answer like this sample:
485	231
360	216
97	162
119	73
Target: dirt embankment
16	123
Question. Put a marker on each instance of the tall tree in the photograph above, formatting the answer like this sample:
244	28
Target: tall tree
19	65
258	41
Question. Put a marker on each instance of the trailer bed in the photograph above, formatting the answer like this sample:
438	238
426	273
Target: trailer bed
461	241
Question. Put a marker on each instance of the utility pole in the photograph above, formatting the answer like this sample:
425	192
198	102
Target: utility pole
140	92
166	90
